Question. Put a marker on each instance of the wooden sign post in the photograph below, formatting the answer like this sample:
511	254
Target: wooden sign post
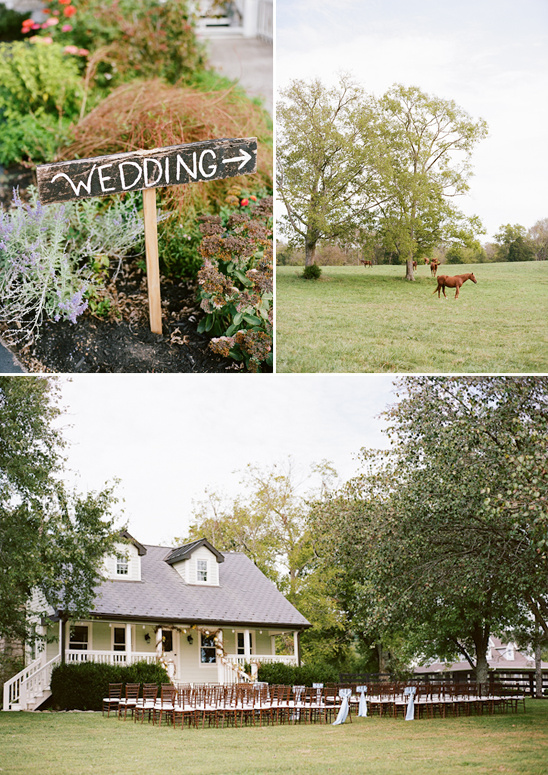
147	170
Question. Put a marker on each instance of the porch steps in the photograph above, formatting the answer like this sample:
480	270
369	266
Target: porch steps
30	688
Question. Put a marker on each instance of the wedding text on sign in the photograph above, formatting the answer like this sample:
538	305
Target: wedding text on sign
173	165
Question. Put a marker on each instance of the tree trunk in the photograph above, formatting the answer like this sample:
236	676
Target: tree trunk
481	642
310	253
482	670
409	269
381	657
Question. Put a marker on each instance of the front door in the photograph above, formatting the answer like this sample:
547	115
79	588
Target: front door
170	643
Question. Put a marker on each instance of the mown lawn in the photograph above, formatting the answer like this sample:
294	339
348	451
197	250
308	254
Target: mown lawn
372	320
68	743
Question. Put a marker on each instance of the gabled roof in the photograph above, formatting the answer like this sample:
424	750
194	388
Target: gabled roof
140	548
184	552
244	595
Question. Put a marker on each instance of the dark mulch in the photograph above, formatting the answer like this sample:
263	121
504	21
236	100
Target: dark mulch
124	342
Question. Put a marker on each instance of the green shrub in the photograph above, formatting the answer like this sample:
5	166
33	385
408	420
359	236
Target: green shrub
83	686
137	39
305	675
178	249
312	272
40	93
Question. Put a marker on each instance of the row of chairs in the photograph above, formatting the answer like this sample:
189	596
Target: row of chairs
440	699
241	704
223	705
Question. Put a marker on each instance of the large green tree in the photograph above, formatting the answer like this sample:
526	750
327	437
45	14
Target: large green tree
52	540
424	150
269	523
323	172
445	537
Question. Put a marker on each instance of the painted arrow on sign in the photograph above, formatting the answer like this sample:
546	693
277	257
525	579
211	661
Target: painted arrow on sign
243	158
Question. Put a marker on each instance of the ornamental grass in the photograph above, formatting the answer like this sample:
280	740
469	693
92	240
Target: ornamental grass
152	114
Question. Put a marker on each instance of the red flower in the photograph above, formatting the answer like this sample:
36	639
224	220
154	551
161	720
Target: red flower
64	2
253	198
244	202
70	10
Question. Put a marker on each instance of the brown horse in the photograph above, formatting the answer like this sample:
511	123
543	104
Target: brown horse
414	266
366	263
444	281
434	266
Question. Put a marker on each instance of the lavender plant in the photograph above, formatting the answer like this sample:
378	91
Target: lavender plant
49	254
110	231
38	279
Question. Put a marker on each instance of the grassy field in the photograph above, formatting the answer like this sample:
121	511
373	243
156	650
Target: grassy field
68	743
372	320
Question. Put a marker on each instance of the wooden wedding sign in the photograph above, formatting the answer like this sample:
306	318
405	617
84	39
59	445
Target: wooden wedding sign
147	170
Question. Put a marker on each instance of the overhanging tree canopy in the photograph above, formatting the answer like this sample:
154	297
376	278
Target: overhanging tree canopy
445	537
52	541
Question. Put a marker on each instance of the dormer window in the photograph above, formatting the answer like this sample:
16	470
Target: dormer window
201	570
122	565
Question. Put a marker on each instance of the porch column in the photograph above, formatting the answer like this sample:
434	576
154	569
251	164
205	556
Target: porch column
129	645
159	644
63	630
247	646
250	18
219	654
273	645
296	649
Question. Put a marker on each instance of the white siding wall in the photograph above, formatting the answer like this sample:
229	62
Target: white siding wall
134	564
187	569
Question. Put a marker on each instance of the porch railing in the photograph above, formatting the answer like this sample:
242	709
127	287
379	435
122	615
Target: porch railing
26	690
110	657
234	665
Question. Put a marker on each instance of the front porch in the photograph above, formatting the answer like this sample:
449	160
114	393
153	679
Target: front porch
191	654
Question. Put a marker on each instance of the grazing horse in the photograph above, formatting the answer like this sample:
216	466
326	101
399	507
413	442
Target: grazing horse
434	266
366	263
414	266
444	281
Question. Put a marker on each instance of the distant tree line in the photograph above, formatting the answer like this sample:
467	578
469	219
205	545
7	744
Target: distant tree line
512	243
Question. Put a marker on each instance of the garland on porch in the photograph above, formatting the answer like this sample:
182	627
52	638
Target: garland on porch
219	647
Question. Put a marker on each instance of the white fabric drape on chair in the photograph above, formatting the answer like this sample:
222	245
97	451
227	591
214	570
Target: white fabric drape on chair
410	692
343	711
362	706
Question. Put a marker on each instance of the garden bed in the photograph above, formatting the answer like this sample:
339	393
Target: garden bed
123	342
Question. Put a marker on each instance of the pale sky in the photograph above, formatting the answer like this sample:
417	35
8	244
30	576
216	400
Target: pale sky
168	438
490	56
